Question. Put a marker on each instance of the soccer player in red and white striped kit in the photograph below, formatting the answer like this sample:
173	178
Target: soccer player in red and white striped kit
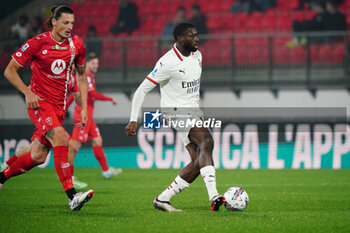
52	55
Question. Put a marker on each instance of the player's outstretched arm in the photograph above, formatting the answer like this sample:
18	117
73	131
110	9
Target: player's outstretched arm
114	101
99	96
145	87
11	74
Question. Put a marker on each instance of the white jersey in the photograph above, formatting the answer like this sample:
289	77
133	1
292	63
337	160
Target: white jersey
179	78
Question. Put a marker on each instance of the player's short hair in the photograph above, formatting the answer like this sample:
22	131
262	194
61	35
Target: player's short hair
196	7
91	56
57	12
181	8
181	29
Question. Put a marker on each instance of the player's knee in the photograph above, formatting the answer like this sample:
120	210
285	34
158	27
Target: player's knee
39	158
207	144
60	137
97	141
74	145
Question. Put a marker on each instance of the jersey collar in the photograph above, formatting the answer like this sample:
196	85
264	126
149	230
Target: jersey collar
177	53
50	33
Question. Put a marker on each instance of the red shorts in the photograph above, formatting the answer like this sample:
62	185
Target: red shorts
45	118
90	130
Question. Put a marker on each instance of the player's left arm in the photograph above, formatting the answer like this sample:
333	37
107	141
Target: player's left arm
83	92
77	99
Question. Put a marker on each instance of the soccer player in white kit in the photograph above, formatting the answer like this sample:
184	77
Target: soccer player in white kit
178	73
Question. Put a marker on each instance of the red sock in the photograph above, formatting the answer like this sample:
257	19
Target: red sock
21	165
101	157
13	159
62	166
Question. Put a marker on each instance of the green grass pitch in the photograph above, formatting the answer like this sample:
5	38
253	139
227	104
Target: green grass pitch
280	201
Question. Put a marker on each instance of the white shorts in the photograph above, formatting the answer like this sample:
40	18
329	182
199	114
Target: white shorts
182	120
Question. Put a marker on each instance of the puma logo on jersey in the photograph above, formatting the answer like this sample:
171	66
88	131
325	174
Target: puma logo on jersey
182	71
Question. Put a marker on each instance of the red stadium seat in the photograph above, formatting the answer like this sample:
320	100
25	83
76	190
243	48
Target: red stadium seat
298	16
325	54
339	53
268	22
229	21
298	55
241	57
241	22
314	54
310	15
254	21
215	23
214	7
280	55
283	23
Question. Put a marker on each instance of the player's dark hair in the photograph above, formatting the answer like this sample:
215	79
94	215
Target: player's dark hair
181	29
196	7
181	8
56	14
91	56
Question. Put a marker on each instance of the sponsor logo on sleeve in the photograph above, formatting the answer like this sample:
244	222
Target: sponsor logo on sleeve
153	73
18	54
24	48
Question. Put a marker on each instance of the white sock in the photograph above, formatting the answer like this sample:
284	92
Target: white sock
208	174
174	188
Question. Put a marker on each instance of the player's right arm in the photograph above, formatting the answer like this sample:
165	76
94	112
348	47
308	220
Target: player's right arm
159	74
11	74
145	87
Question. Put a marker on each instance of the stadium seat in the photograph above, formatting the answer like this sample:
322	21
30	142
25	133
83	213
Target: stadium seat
310	15
214	7
332	53
298	16
284	23
298	55
339	53
215	23
287	5
348	19
314	54
154	14
241	22
230	22
112	9
268	22
280	55
254	21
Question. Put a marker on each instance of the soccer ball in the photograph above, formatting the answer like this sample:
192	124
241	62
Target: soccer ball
236	199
